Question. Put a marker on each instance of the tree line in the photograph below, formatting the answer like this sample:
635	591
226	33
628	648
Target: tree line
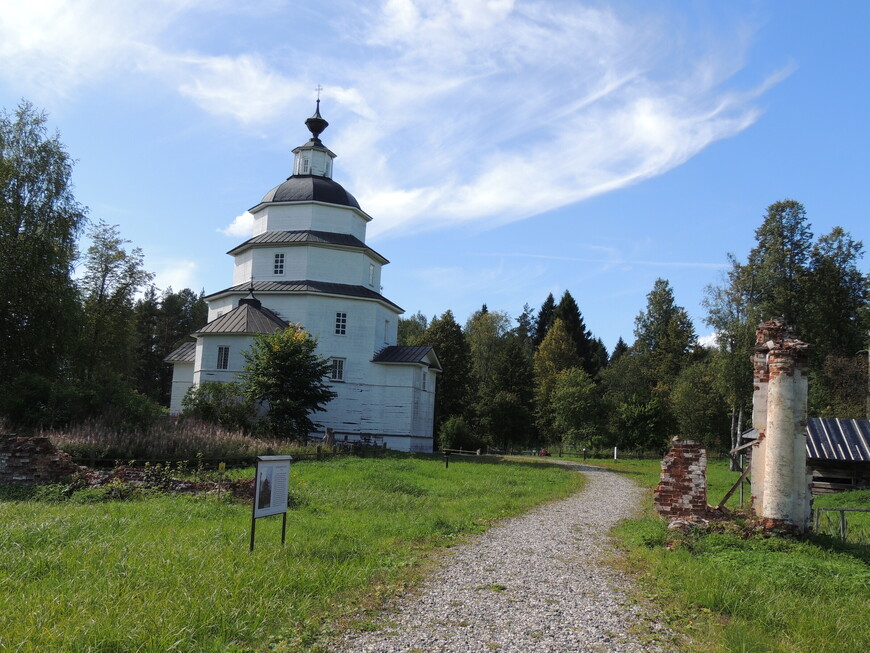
91	345
542	378
82	335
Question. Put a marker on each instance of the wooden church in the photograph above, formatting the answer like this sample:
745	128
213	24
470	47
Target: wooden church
308	262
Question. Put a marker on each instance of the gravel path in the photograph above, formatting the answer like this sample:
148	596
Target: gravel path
531	584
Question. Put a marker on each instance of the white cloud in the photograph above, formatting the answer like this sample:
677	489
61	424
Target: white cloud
176	274
241	227
444	112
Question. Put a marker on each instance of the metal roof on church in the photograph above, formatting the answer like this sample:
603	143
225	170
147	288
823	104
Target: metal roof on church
838	439
406	354
185	353
311	188
245	318
305	236
307	286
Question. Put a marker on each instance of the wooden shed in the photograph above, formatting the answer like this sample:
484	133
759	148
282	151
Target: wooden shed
838	454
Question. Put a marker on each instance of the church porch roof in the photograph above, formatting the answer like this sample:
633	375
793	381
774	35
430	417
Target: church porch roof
245	319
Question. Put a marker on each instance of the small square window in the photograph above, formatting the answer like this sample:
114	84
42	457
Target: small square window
278	268
223	358
336	369
340	324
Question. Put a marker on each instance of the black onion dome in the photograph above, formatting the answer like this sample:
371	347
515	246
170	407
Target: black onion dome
311	188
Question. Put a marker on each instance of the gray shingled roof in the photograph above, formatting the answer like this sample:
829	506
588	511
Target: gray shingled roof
838	439
245	318
186	353
306	236
406	354
306	286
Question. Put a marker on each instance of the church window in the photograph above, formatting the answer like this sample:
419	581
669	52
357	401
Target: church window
336	369
279	264
386	331
223	358
371	274
341	324
423	379
305	166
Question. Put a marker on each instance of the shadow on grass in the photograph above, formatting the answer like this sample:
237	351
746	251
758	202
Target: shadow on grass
833	544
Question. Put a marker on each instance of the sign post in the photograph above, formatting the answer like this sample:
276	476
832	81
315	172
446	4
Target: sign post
271	480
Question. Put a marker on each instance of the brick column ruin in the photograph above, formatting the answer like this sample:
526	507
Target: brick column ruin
682	491
780	484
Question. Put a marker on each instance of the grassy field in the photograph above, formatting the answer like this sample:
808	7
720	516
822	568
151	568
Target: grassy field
734	591
173	573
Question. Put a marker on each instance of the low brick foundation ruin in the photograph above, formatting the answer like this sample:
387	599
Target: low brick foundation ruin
33	460
682	491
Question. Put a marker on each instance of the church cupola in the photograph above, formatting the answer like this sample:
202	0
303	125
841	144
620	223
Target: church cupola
314	158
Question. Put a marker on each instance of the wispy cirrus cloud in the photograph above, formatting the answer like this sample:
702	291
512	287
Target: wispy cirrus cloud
444	112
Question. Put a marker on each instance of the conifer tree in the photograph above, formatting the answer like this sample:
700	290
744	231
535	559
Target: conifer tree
544	320
452	393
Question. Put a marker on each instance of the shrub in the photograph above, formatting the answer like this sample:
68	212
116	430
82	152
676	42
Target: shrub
220	403
455	433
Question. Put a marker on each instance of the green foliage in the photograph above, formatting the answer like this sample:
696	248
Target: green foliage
665	333
506	420
778	261
587	350
544	320
112	277
485	332
220	403
283	370
454	382
819	289
575	408
163	322
39	223
180	577
456	433
557	352
700	411
412	330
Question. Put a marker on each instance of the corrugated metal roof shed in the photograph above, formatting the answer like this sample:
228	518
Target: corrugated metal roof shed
838	439
186	353
406	354
307	286
245	319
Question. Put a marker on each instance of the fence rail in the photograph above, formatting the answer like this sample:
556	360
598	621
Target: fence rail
860	535
321	453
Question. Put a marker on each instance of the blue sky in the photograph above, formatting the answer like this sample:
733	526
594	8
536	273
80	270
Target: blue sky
505	150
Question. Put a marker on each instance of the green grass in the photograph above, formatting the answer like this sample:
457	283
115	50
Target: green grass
173	573
731	590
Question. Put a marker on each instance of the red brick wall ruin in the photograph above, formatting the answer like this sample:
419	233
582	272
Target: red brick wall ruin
33	460
682	491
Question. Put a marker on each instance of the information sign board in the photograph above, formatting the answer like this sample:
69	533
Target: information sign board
271	480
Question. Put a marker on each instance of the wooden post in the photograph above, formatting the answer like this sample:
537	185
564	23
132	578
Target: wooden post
843	525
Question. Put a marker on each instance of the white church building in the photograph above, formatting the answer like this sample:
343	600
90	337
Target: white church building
308	262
